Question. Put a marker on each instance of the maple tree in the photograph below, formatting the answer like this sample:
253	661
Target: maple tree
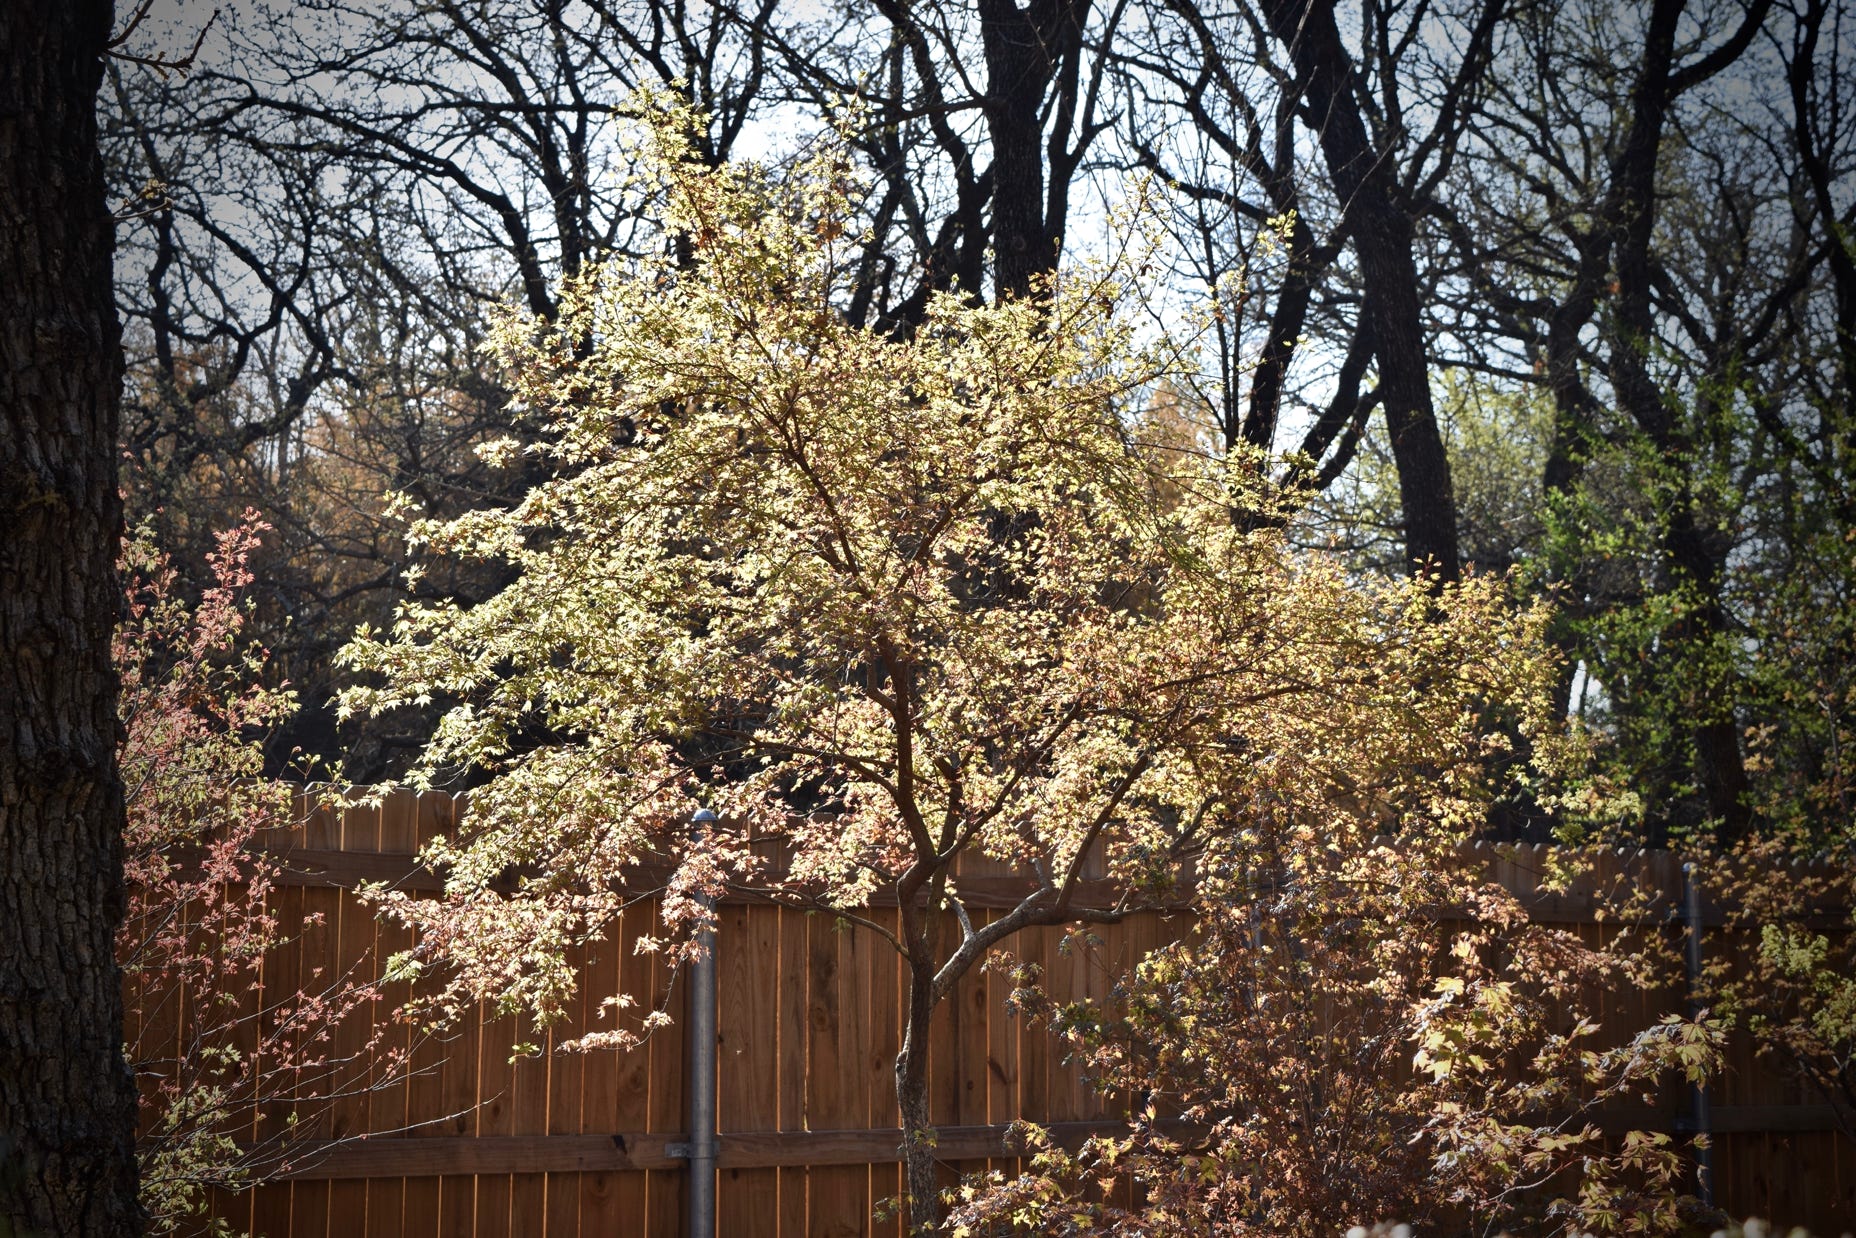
886	602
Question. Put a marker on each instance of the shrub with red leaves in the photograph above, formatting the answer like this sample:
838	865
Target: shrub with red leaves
230	1060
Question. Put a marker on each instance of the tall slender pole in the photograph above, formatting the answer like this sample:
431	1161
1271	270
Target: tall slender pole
1701	1120
699	1055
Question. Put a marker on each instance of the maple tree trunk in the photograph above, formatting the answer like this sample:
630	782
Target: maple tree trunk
921	1183
67	1102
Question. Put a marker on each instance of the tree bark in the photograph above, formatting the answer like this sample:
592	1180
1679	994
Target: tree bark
918	1155
1021	61
67	1102
1382	236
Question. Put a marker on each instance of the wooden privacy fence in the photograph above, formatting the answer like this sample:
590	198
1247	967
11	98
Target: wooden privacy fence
475	1144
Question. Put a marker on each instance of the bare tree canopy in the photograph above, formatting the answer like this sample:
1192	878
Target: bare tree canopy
1489	276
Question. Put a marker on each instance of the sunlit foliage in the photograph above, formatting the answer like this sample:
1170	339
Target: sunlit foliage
882	602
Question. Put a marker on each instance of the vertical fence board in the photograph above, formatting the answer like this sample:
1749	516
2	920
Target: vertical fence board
317	964
1033	1042
495	1092
884	1000
566	1074
354	946
854	1014
398	832
462	1091
528	1115
943	1073
970	1017
747	953
665	1188
1001	1054
836	1195
793	1046
599	1086
279	980
631	1100
426	1110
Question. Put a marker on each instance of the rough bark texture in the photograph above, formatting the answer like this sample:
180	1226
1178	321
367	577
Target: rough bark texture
1382	236
67	1103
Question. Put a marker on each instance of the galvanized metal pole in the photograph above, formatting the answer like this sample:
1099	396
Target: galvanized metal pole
699	1059
1701	1120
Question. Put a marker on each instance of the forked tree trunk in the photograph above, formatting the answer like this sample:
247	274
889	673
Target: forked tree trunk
1382	234
67	1103
1019	69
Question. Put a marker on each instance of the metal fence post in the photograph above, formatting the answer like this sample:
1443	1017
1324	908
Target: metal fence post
1701	1120
699	1061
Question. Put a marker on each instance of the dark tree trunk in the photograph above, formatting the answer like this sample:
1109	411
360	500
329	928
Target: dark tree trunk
1632	177
1382	237
1633	220
918	1155
1021	62
1693	561
67	1102
1307	262
1809	108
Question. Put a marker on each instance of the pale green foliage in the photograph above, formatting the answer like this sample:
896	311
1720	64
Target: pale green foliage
1497	439
1795	992
1804	957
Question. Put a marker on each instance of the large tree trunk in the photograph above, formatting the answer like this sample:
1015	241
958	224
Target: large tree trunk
1693	562
1022	48
67	1102
1632	179
1382	236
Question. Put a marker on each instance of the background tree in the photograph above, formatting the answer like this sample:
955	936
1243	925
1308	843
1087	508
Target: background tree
313	265
1572	203
1595	265
67	1156
977	122
1660	262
